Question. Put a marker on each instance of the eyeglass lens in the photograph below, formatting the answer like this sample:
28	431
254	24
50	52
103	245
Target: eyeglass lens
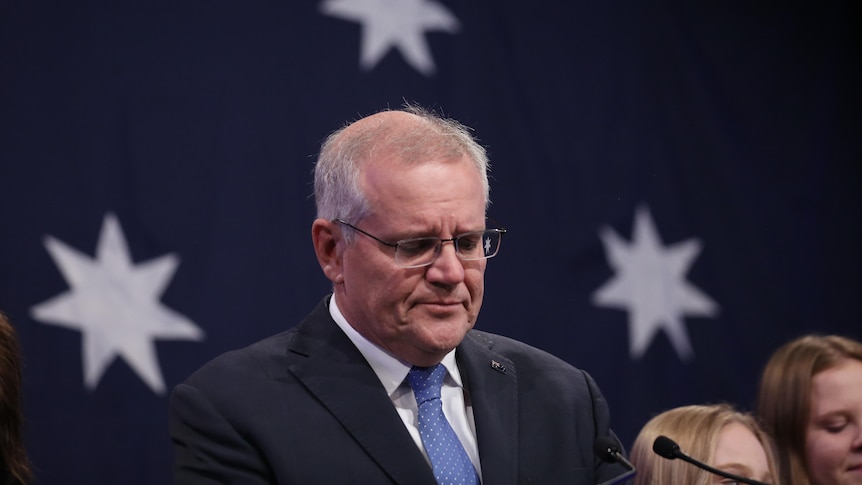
469	246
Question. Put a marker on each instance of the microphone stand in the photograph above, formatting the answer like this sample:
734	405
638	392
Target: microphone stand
666	447
607	449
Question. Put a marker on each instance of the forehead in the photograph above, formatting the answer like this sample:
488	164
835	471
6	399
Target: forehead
837	387
431	188
737	445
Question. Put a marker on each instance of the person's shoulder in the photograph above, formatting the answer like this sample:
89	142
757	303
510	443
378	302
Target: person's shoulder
263	356
250	359
539	367
517	351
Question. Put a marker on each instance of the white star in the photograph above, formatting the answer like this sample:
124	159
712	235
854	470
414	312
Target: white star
650	284
114	304
394	23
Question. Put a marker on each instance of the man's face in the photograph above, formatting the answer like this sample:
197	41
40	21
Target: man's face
416	314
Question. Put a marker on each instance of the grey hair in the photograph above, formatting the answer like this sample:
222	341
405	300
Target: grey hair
337	172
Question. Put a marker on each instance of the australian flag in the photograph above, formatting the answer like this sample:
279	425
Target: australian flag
679	180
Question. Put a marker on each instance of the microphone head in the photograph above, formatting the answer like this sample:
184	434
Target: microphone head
666	447
606	448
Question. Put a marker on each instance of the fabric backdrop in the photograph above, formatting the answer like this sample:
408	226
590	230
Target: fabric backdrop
679	181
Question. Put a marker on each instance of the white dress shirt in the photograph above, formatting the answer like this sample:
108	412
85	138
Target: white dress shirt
392	373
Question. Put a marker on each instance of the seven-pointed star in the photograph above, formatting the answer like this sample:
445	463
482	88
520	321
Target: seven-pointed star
650	284
115	305
394	23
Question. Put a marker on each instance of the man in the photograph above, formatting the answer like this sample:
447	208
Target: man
346	396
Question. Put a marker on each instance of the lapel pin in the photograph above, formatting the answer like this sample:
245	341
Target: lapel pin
498	367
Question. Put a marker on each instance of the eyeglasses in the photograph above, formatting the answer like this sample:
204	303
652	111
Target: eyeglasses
422	251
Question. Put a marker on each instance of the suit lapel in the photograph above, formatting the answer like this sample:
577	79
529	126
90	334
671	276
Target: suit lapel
492	383
334	368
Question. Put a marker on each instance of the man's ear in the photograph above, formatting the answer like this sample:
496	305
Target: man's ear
326	238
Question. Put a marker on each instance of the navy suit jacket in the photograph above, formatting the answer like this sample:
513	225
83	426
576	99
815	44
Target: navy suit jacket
304	407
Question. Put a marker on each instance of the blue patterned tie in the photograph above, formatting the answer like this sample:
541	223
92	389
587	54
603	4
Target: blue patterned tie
448	458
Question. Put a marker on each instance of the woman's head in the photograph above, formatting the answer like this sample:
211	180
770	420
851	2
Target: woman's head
12	450
714	434
807	403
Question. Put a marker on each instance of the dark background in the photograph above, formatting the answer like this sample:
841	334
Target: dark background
196	123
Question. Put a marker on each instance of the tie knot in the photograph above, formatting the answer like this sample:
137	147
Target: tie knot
426	381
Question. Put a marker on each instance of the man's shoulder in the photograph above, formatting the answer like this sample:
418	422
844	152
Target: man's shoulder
263	356
540	368
517	351
245	360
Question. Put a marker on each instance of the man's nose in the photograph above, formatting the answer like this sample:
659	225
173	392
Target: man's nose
447	267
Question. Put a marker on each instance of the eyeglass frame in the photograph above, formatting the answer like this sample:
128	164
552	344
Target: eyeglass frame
438	247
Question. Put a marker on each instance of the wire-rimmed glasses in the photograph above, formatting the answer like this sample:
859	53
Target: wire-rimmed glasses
422	251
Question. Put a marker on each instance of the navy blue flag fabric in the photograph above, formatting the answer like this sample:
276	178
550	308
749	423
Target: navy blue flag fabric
679	181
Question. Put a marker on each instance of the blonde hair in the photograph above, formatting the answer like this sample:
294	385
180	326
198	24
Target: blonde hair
695	429
784	400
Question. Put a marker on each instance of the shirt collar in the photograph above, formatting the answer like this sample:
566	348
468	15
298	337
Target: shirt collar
389	369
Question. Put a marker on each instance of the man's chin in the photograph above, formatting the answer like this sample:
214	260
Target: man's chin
448	333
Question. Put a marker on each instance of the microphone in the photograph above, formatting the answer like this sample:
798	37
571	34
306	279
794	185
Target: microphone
606	448
666	447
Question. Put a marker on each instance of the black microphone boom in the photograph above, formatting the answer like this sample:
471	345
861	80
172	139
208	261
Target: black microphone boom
666	447
606	448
